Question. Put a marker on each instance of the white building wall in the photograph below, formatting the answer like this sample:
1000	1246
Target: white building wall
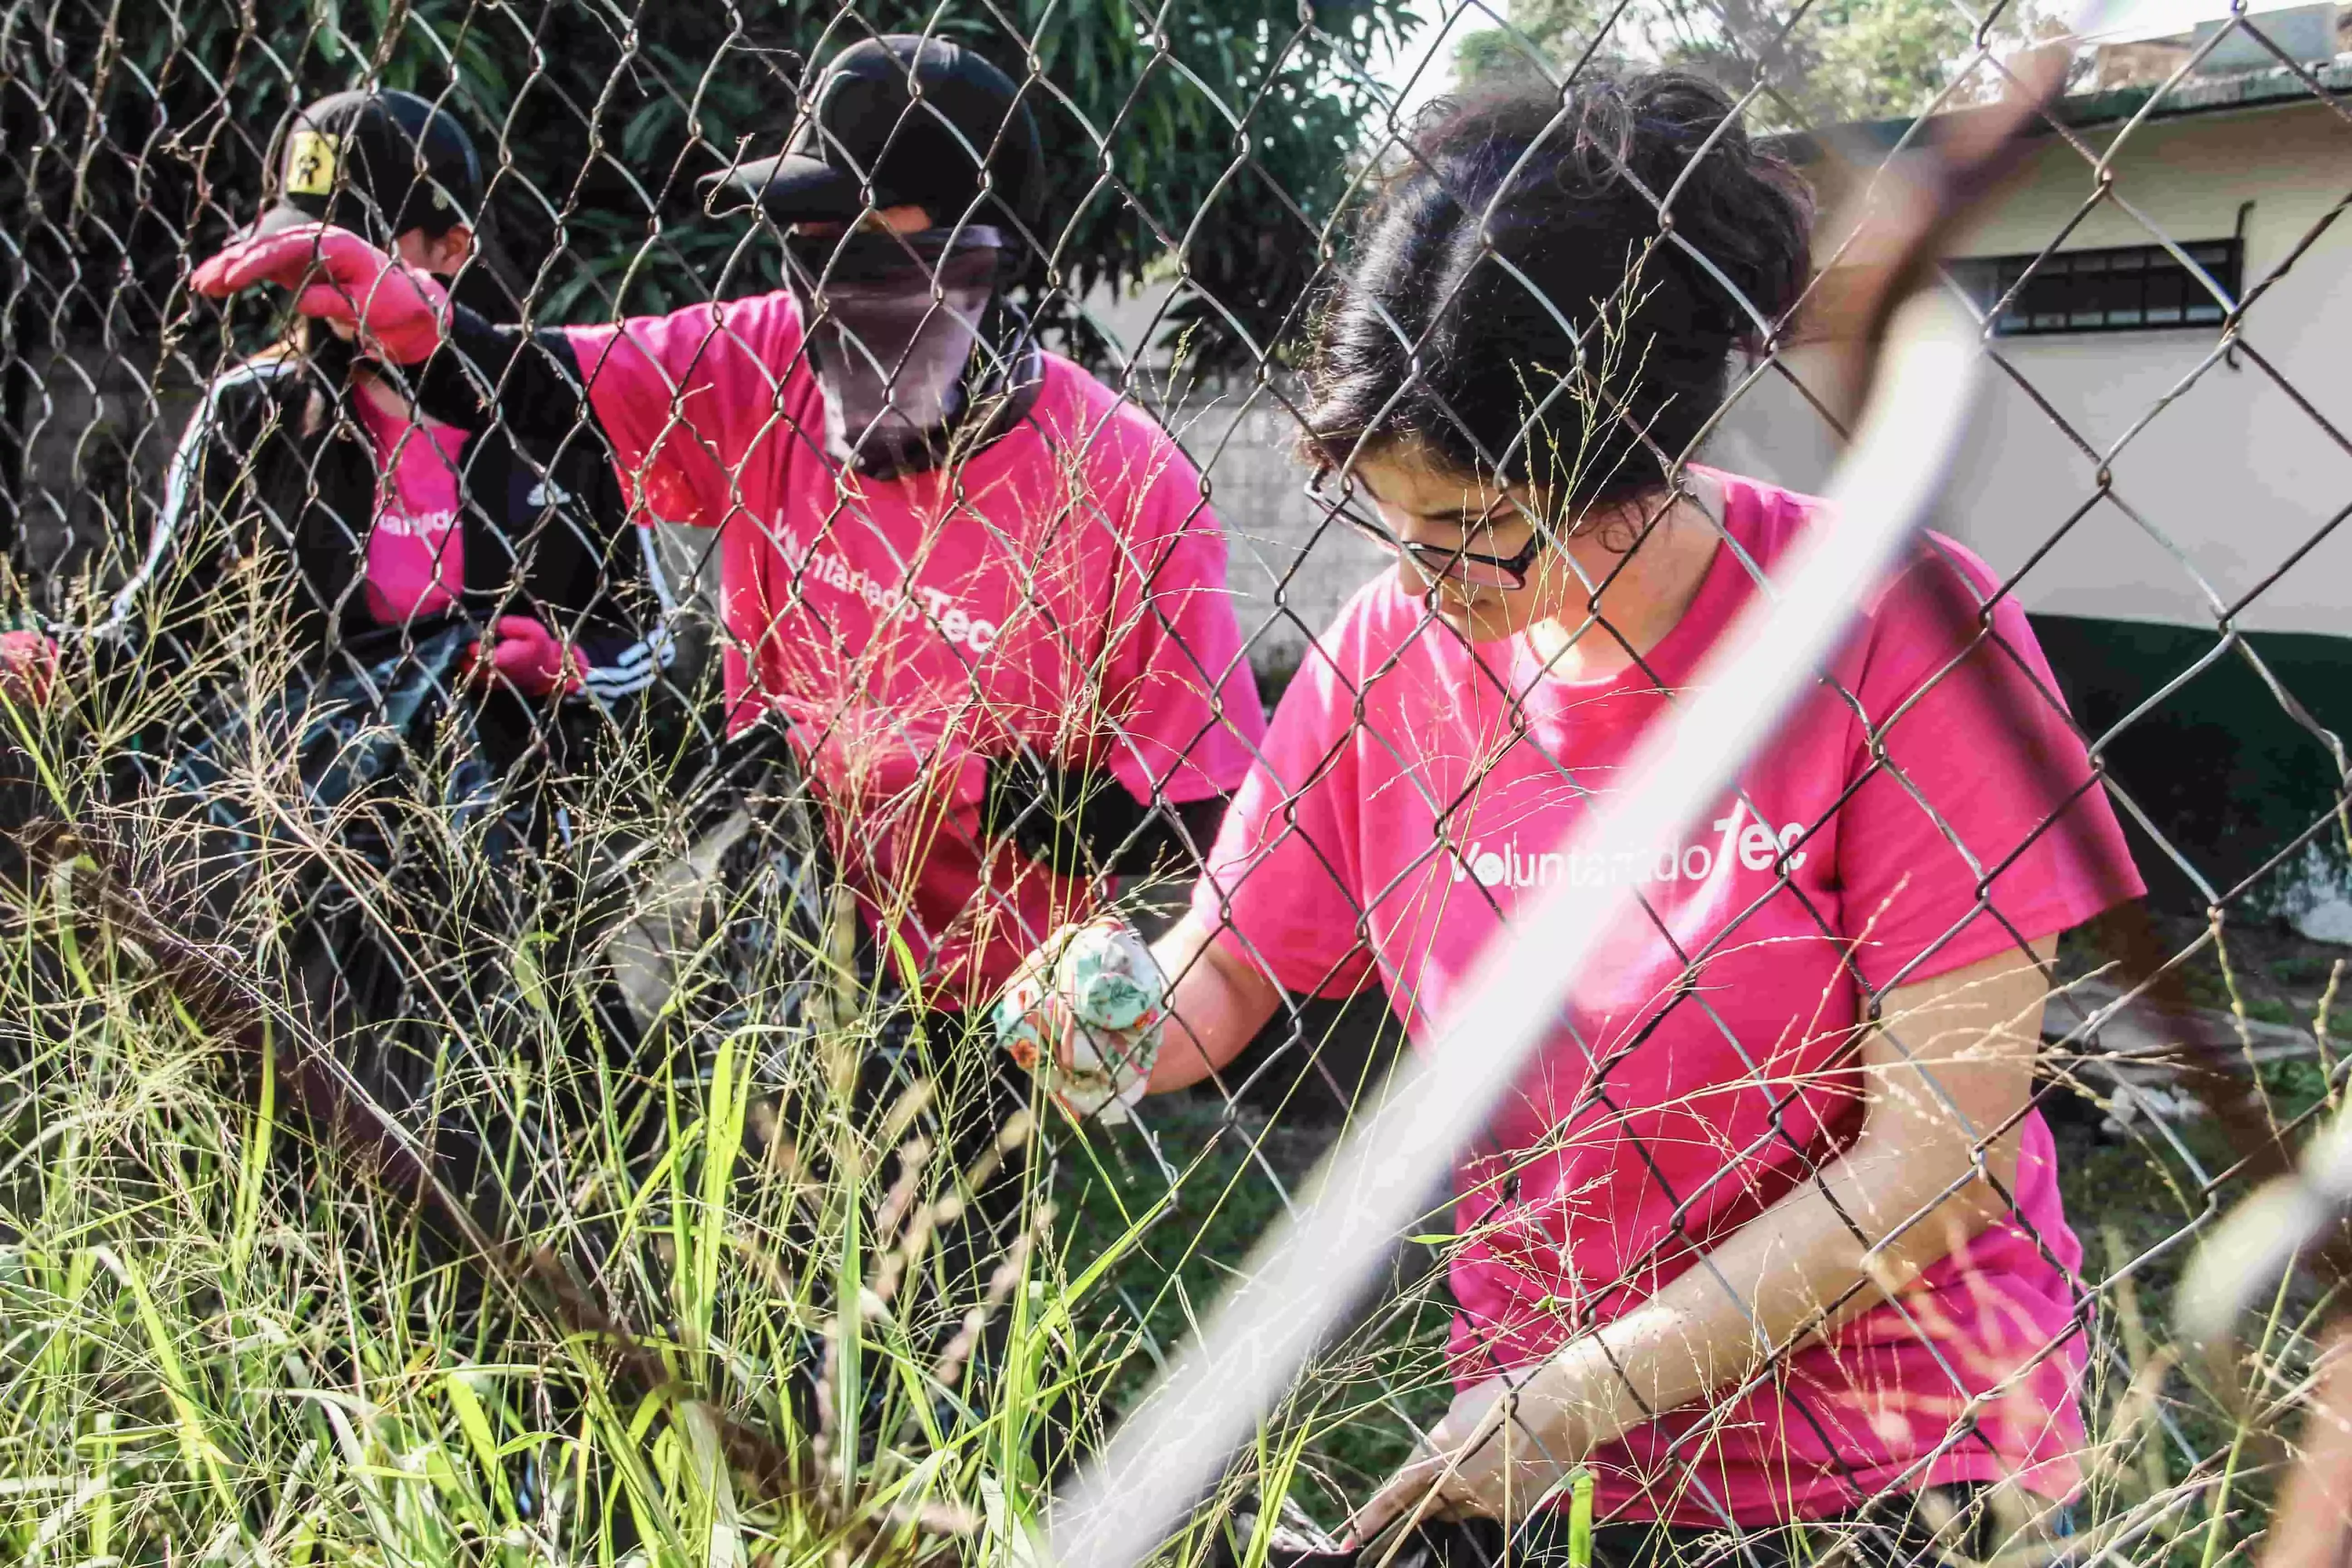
2213	491
2209	495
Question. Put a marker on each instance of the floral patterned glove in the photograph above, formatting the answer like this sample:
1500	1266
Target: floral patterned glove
1084	1013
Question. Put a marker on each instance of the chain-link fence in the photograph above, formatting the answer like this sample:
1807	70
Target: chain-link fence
592	584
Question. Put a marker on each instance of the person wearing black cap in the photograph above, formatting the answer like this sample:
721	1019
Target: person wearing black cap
469	612
983	594
395	521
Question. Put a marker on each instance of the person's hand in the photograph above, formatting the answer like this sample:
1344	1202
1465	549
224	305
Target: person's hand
1503	1445
859	752
28	667
1085	1012
522	652
398	312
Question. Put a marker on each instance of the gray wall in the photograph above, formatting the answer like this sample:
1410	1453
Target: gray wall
1290	569
98	434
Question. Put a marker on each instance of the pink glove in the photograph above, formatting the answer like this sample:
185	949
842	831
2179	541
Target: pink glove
524	653
28	667
397	310
872	754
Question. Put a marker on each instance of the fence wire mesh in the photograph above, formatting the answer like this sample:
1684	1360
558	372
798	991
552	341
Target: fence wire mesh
592	583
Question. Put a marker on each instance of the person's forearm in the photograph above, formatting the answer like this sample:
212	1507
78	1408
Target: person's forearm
527	380
1946	1076
1217	1004
1516	1437
1910	1190
1794	1272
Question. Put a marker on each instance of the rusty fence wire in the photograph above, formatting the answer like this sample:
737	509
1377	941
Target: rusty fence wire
588	583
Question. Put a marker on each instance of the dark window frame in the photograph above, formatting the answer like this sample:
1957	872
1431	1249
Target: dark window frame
2118	288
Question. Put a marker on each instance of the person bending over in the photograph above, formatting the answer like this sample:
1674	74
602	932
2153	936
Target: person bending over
470	609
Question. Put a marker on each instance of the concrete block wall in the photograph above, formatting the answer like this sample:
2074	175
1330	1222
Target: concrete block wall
1289	568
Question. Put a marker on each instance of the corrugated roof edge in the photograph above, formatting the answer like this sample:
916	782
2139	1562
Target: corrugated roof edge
2277	87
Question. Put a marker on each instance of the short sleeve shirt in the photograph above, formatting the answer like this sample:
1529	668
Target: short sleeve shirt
1928	807
1062	589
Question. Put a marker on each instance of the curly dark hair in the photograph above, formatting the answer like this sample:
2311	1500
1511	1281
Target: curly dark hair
1519	221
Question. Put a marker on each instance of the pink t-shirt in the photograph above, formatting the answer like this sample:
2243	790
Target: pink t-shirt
1407	802
1064	588
415	551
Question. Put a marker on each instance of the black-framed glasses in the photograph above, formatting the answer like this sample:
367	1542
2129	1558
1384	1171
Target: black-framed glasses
1456	563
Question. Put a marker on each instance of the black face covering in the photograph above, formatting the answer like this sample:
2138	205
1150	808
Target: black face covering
915	348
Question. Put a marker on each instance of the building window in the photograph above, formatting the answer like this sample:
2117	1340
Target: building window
2130	289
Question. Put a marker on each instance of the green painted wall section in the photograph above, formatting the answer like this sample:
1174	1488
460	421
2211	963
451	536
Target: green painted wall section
2227	774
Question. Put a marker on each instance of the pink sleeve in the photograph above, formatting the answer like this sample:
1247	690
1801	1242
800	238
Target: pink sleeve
1283	888
684	397
1190	721
1983	825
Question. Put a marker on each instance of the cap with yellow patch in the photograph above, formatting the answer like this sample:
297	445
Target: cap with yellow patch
377	163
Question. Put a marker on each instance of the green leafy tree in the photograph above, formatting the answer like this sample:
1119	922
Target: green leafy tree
1211	139
1840	60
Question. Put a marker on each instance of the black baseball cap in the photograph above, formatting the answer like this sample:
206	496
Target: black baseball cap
915	119
377	163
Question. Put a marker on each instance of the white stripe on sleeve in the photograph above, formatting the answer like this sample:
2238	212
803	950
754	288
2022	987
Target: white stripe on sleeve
180	483
636	666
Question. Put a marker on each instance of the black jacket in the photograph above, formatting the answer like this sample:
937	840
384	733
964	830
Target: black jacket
276	463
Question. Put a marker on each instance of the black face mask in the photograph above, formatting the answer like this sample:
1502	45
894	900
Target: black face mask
909	338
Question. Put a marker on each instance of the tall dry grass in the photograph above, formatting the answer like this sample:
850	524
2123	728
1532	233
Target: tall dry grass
706	1319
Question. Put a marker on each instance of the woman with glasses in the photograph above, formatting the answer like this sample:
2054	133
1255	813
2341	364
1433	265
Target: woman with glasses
1766	1246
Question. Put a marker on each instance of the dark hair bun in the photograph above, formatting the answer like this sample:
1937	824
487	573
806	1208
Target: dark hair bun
1520	303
